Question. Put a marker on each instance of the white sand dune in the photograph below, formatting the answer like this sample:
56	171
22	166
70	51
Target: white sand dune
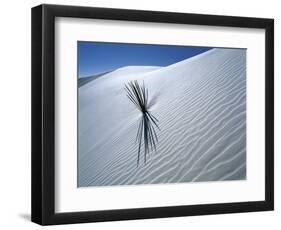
201	107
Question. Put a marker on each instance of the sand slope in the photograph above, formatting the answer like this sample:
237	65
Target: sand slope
201	106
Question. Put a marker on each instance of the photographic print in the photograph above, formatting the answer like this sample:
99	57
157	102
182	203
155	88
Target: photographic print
146	114
158	114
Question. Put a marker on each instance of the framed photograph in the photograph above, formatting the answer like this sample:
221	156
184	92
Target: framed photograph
142	114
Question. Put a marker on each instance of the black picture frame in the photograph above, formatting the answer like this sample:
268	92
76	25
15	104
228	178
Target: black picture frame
43	114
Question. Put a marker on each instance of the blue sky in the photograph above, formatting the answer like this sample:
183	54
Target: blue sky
99	57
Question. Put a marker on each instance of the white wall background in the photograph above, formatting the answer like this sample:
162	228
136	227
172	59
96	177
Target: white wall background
15	114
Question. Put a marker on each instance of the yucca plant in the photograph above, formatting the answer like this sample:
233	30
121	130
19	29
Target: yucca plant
146	132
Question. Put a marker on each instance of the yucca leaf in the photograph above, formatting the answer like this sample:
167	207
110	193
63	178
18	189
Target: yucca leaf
146	133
